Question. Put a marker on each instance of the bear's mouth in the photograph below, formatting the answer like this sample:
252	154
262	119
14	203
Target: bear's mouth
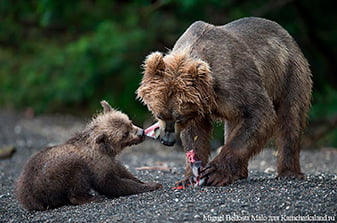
136	141
139	140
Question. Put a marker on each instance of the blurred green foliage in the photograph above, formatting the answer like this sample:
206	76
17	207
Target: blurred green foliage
65	56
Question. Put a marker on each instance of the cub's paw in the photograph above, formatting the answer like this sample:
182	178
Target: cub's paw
290	175
153	186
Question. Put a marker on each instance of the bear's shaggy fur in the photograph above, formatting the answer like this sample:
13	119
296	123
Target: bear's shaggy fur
250	74
66	173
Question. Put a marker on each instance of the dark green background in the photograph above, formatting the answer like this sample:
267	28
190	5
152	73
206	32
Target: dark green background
65	56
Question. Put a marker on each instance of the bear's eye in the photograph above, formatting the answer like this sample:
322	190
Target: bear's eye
181	119
125	135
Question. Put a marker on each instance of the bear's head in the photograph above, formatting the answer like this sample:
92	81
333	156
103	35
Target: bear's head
177	89
112	130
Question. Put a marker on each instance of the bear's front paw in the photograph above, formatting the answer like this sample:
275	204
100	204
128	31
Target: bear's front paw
224	170
216	174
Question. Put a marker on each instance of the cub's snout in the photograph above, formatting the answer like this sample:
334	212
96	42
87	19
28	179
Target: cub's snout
137	137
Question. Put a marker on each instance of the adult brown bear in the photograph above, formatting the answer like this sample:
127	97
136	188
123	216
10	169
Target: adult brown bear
250	74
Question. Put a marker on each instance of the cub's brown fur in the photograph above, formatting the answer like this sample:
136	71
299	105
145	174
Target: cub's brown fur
66	173
250	74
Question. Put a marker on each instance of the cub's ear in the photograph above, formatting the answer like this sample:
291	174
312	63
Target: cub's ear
154	64
200	69
103	144
101	139
106	107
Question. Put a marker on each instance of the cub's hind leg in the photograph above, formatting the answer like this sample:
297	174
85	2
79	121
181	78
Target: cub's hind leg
79	184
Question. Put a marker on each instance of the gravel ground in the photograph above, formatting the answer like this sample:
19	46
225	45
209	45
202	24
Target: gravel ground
259	198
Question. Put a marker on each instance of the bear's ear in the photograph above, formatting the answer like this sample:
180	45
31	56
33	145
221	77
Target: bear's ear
154	64
199	69
106	107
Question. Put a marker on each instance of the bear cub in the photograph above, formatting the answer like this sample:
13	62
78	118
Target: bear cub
66	173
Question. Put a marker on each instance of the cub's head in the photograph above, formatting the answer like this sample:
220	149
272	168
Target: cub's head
177	89
112	130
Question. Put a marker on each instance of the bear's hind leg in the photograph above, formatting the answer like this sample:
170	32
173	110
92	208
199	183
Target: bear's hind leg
291	114
80	185
288	139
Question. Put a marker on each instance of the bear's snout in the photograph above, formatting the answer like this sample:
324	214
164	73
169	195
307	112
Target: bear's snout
168	139
140	132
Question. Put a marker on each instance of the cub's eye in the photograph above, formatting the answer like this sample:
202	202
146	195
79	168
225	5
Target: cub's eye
125	135
160	117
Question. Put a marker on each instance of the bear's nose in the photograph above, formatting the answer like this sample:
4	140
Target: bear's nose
168	139
140	132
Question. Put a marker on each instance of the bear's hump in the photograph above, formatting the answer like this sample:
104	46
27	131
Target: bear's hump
198	27
191	35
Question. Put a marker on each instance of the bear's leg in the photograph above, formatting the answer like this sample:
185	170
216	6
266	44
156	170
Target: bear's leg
79	183
291	113
124	173
288	139
115	186
196	137
229	127
246	137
